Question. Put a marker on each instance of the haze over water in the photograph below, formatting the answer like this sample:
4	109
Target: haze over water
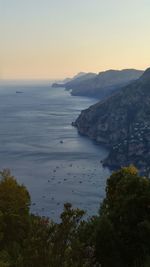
42	149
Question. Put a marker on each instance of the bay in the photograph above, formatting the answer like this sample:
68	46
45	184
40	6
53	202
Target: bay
45	152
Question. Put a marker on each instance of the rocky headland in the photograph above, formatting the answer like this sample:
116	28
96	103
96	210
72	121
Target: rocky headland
122	123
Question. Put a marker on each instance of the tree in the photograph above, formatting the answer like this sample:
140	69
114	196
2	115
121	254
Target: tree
37	247
4	259
14	215
125	220
66	245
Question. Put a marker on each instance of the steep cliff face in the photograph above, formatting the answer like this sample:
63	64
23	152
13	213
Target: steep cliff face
122	122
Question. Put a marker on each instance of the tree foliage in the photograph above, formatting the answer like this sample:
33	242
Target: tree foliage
119	236
125	220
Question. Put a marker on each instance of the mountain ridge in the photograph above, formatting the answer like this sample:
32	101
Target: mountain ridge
100	85
106	83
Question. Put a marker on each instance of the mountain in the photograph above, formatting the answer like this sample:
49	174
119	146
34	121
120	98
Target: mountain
78	79
66	80
78	75
69	82
122	123
104	84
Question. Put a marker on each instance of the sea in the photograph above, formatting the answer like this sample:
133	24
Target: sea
44	151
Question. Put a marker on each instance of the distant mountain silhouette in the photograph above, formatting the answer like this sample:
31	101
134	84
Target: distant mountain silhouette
69	82
99	85
78	75
105	83
79	79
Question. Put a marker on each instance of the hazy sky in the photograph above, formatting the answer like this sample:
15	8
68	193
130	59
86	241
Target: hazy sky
56	38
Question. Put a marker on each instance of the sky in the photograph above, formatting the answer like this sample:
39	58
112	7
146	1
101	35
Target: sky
54	39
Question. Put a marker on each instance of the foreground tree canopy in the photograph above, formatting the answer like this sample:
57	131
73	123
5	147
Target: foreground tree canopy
119	236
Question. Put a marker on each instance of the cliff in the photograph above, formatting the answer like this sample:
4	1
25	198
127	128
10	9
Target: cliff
122	122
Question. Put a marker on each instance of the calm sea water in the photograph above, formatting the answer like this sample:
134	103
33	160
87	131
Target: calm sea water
45	153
